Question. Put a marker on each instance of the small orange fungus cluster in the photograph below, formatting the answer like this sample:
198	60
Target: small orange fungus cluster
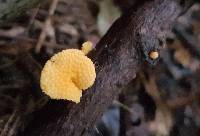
67	73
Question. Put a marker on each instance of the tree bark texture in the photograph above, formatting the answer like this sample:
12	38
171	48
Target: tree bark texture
118	57
10	9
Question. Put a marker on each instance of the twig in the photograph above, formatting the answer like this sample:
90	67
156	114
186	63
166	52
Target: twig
12	124
8	64
123	106
182	101
35	12
47	24
33	41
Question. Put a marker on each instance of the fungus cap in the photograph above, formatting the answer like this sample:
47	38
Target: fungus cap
86	47
153	54
66	74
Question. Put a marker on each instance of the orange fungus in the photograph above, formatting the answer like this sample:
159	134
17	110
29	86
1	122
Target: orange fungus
67	73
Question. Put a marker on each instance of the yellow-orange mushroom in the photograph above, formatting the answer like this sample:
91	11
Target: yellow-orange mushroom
66	74
153	55
86	47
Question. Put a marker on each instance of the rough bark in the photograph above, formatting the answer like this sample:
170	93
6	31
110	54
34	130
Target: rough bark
10	9
118	57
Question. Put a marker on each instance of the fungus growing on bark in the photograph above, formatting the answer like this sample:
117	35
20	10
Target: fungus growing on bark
66	74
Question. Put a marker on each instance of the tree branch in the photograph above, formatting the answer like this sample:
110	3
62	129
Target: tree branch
118	57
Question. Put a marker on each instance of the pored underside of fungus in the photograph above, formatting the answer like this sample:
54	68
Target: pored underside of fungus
67	73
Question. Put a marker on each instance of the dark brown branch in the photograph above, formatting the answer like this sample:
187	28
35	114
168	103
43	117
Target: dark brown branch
118	56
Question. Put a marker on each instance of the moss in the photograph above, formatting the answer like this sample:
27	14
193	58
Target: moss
11	9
